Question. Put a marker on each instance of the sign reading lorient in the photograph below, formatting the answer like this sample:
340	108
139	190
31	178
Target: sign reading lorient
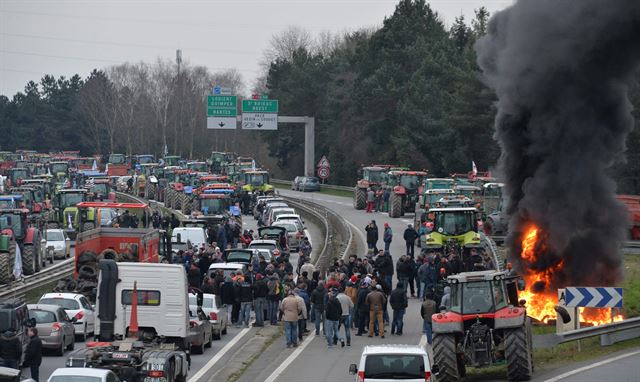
221	112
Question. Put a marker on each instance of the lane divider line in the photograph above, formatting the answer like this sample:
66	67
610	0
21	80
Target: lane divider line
591	366
276	373
209	365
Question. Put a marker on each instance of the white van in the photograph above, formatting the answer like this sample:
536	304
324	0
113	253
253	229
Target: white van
382	363
197	236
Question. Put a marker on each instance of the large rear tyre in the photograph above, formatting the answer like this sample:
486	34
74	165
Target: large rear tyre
517	350
395	205
168	197
359	198
444	355
187	203
29	260
151	192
6	263
177	201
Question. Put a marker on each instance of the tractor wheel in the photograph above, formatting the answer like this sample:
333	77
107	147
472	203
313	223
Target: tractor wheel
38	256
167	197
151	192
395	205
444	355
177	201
6	264
29	260
187	203
359	198
517	350
87	226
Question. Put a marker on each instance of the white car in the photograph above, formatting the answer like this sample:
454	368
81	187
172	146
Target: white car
216	312
226	268
382	363
82	374
197	236
273	214
58	240
77	306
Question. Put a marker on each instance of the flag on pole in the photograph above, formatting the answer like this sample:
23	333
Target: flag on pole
166	150
253	164
17	266
474	169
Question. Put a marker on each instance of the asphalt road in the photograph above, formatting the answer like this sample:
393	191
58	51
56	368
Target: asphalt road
214	358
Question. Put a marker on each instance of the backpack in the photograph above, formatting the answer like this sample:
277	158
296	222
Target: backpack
275	289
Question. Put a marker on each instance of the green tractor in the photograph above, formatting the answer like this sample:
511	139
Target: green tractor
455	227
16	235
256	181
59	170
66	216
171	160
18	174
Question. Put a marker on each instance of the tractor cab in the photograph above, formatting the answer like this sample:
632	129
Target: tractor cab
117	159
66	211
13	223
434	189
100	188
32	199
455	228
405	187
372	177
144	159
215	161
256	180
59	169
172	160
18	174
492	199
198	166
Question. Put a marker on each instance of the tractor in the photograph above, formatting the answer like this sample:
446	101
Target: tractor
17	175
373	177
117	165
175	187
171	160
198	167
484	326
66	211
405	188
215	162
212	204
59	169
256	181
16	233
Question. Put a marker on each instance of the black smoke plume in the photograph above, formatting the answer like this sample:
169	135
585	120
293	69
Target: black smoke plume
560	69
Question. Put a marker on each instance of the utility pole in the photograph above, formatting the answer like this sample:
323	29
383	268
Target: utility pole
178	127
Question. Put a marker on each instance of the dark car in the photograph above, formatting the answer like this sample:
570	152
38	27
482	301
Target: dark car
14	316
241	256
309	184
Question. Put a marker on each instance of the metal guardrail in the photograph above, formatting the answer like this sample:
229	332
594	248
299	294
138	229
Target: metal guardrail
54	273
551	340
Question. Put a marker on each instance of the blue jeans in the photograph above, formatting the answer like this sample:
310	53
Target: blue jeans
272	311
318	317
427	330
396	325
331	328
258	307
291	332
346	322
387	244
245	313
405	283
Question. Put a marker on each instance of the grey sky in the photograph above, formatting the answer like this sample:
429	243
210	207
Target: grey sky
67	37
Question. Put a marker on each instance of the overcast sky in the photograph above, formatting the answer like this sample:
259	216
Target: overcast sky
68	37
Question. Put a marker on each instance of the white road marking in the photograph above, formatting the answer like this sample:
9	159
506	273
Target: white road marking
276	373
423	341
585	368
356	229
209	365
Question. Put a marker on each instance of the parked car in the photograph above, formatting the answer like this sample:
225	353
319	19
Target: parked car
60	244
77	306
409	363
274	212
227	268
239	255
55	328
309	184
294	233
82	374
271	245
200	334
214	309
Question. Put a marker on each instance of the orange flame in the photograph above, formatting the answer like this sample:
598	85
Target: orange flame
540	305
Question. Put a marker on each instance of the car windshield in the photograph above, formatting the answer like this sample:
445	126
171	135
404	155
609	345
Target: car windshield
55	236
439	184
291	227
74	378
311	180
70	199
12	221
410	181
258	179
454	223
64	303
116	159
211	206
270	247
244	257
42	316
394	366
377	176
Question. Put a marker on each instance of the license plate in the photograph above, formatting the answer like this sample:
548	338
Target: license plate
120	355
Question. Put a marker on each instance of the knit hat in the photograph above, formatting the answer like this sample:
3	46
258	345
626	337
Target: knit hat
354	279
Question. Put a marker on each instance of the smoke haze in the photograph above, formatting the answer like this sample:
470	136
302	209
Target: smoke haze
560	69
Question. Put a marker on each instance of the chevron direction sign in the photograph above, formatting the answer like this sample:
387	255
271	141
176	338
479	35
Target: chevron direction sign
593	297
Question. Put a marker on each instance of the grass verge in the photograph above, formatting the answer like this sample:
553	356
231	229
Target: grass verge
33	296
235	376
631	286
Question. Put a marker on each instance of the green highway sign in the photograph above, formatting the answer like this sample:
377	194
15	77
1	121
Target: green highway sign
221	106
259	106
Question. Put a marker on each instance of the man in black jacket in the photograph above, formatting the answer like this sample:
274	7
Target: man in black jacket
410	236
333	313
398	301
384	266
260	292
33	355
362	307
10	349
404	271
318	299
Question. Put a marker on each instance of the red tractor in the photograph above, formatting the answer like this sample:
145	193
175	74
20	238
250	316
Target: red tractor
175	188
484	325
374	177
18	236
405	189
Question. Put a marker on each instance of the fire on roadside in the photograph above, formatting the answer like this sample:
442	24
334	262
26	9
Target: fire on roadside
540	301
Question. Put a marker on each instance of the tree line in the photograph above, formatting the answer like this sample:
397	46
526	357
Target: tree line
408	93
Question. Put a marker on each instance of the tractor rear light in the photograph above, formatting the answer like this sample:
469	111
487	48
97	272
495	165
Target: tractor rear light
55	327
360	376
440	316
515	310
214	316
427	376
155	373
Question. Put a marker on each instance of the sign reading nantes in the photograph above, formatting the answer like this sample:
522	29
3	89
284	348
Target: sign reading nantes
260	114
221	111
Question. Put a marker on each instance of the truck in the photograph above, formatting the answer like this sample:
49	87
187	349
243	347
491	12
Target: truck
485	325
142	324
